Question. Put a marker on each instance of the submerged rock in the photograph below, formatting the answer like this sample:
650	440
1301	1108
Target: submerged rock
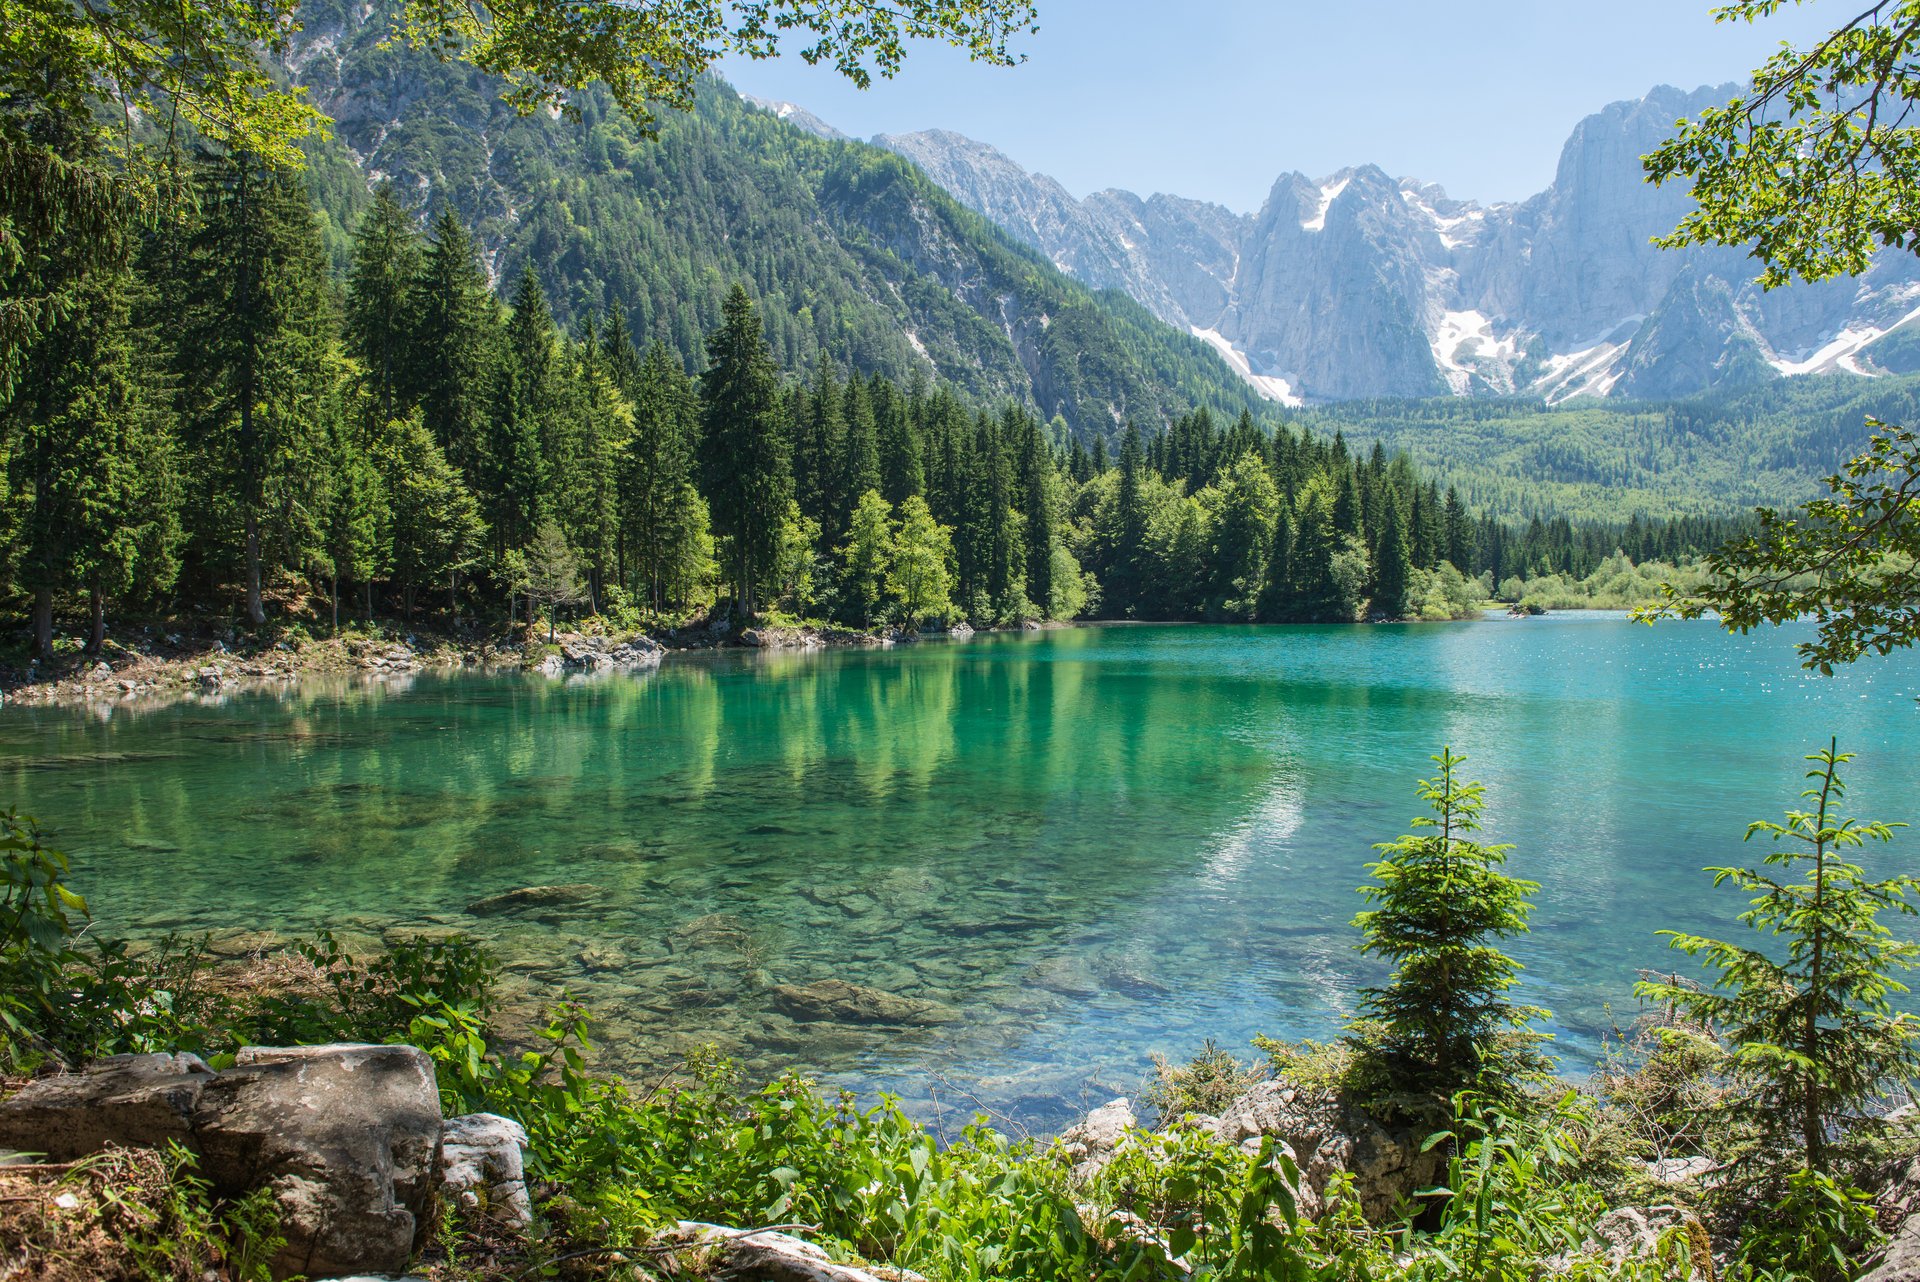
533	898
844	1003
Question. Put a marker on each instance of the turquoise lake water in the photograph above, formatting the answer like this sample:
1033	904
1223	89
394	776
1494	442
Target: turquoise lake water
1084	845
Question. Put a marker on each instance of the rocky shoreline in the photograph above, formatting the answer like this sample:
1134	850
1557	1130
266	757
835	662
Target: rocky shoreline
150	663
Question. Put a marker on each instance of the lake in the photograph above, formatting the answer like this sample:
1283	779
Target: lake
1072	848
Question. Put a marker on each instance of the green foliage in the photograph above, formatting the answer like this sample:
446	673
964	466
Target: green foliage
919	577
1818	1231
1207	1083
38	918
1852	562
1812	168
1444	1024
1814	1034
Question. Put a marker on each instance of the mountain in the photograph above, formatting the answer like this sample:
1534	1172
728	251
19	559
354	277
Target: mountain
857	259
1362	285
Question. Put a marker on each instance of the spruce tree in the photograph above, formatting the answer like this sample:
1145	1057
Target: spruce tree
1443	1022
380	285
745	452
656	471
254	340
452	353
1392	562
1816	1041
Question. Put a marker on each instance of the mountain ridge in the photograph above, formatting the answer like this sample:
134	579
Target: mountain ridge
1359	285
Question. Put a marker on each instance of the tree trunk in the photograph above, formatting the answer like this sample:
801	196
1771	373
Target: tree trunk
453	594
43	621
334	594
256	612
369	587
98	637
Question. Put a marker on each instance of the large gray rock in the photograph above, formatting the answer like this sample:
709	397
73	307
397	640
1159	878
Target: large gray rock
483	1167
1634	1233
145	1101
346	1136
1326	1135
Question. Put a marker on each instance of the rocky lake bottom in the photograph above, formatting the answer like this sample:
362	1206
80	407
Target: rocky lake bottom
1001	872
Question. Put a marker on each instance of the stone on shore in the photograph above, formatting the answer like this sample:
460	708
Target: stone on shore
483	1167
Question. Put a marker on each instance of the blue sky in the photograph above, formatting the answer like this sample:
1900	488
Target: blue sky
1216	98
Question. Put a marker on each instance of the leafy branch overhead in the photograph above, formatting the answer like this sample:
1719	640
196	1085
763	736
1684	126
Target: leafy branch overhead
1818	166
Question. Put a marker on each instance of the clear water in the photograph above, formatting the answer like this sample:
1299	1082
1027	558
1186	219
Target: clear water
1088	845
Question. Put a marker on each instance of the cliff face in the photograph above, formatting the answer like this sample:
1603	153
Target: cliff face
1358	285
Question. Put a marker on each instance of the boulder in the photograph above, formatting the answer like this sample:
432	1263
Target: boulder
840	1002
483	1167
346	1136
731	1255
143	1101
534	899
1093	1142
1325	1134
1634	1233
1680	1170
640	652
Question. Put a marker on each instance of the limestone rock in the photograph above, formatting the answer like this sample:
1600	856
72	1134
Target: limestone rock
346	1136
758	1257
534	899
1326	1135
1634	1233
1093	1142
483	1167
844	1003
138	1100
1680	1170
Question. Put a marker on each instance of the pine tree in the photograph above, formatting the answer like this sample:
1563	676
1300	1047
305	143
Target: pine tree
860	456
1244	508
452	354
656	471
552	573
528	452
1313	594
1816	1039
745	454
1036	488
435	532
902	472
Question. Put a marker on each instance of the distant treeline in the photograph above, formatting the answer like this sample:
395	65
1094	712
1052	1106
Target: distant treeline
220	415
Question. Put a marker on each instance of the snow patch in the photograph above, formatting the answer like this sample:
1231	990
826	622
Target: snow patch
1841	352
1274	389
1464	344
1328	194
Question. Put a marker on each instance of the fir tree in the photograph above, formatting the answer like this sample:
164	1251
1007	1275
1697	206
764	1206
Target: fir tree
1392	563
452	353
745	455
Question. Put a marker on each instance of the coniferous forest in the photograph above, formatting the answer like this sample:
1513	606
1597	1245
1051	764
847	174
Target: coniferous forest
227	420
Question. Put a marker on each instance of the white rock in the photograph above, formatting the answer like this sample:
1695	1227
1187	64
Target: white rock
483	1167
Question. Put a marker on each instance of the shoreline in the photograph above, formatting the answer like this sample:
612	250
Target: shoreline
161	664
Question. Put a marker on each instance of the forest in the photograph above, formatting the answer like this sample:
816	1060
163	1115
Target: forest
225	417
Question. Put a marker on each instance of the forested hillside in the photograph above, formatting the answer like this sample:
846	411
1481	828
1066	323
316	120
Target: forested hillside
1587	460
858	260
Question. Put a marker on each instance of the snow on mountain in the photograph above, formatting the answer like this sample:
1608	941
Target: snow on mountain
1359	285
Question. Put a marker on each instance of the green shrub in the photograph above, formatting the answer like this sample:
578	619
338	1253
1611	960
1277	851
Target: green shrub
1207	1083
